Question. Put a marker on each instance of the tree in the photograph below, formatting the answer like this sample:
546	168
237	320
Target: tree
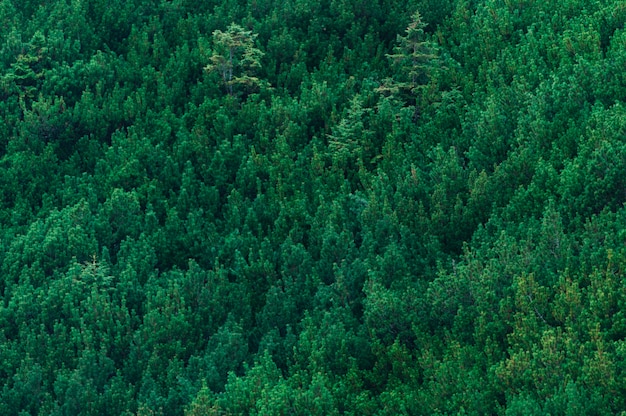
235	58
203	404
414	58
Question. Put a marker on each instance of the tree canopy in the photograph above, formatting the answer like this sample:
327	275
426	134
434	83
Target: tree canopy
316	207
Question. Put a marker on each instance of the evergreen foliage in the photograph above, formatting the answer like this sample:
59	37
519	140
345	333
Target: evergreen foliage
312	207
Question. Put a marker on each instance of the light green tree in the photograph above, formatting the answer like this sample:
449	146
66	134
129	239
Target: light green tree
235	58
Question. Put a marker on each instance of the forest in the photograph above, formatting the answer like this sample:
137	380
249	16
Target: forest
312	207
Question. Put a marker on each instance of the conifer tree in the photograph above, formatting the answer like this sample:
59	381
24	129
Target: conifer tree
415	58
235	58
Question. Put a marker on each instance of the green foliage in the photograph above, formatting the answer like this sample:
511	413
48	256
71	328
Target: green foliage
327	207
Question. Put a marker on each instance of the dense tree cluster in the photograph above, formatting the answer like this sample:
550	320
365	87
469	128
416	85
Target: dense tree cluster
312	207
